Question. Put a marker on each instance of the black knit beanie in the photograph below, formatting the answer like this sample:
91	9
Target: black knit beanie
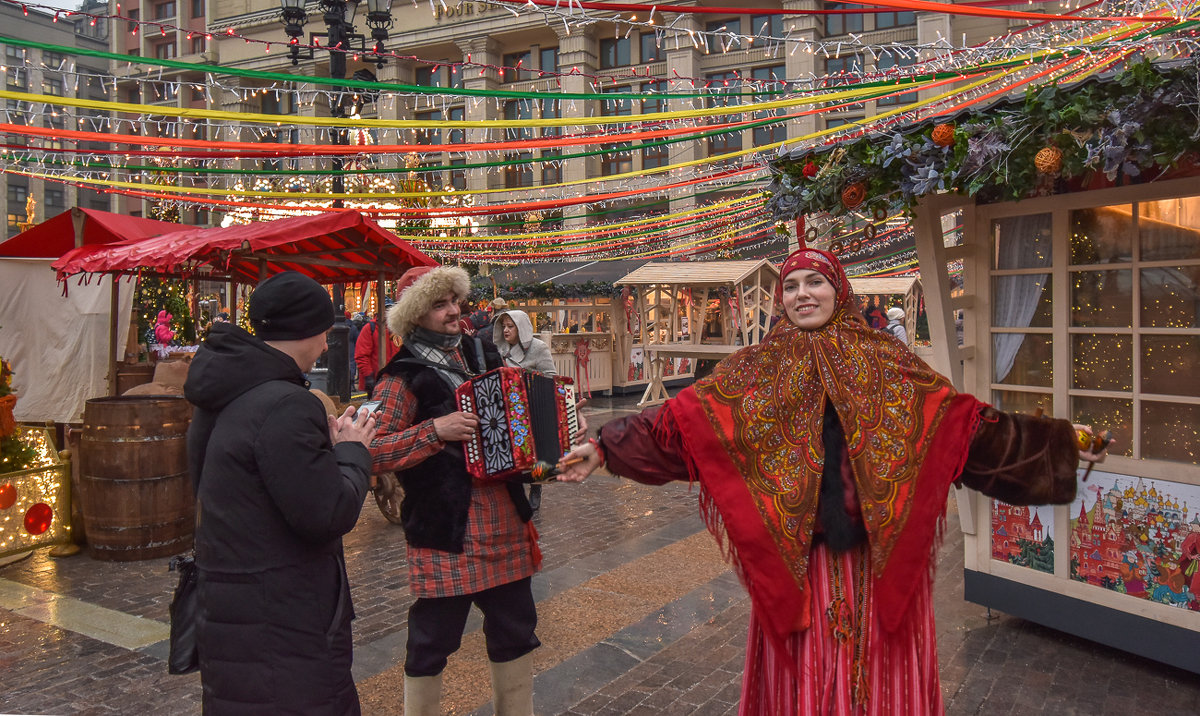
290	306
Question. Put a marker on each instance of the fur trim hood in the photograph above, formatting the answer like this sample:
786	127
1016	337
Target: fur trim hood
418	297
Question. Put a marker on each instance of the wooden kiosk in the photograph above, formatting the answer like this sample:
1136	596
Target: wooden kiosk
684	311
904	290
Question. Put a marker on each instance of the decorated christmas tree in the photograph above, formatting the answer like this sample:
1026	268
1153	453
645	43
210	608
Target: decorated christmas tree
14	453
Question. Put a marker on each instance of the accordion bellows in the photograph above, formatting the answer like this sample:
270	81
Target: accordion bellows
524	418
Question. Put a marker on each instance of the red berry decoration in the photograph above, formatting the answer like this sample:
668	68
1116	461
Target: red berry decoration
811	169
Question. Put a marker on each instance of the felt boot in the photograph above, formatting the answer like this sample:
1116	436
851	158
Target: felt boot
423	695
512	686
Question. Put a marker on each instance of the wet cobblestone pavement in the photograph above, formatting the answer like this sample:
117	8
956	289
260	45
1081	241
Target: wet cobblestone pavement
638	615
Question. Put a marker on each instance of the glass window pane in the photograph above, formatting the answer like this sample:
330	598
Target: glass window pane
1011	401
1102	362
1023	359
1102	298
1022	301
1022	242
1169	431
1171	365
1171	297
1111	414
1169	229
1101	235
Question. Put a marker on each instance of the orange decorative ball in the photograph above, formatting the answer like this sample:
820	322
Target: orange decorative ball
943	135
854	194
1048	160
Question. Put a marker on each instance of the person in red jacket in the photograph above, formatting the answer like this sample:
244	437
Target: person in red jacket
366	354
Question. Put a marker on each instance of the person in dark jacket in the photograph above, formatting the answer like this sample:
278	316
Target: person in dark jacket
277	485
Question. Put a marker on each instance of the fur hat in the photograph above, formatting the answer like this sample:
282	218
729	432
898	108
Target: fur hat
895	313
418	289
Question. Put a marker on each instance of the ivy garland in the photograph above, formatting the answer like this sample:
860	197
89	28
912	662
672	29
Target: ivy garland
1132	127
546	291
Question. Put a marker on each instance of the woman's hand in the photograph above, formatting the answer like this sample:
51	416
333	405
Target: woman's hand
456	426
579	463
353	426
1088	455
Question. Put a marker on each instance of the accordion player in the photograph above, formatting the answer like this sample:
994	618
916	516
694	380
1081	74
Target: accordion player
525	418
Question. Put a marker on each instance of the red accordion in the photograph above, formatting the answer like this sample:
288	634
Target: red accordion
524	418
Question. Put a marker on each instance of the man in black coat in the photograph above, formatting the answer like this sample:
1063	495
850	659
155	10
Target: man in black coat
277	485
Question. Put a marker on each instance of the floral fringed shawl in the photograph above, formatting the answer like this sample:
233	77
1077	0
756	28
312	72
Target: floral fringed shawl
752	431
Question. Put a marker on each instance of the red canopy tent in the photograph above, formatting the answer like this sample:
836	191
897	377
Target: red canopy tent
80	227
334	247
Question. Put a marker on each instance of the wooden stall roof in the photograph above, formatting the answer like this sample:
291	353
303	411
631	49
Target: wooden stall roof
696	272
890	285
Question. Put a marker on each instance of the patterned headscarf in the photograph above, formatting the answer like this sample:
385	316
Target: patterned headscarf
823	263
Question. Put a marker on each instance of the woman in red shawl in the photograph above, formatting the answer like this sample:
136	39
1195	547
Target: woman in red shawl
836	554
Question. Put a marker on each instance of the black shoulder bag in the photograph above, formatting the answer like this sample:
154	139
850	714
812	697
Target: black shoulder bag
184	657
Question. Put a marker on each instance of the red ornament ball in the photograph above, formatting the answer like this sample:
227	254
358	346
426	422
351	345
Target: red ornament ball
38	518
943	135
8	496
811	169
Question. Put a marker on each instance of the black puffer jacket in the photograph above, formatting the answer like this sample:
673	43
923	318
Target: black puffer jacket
274	498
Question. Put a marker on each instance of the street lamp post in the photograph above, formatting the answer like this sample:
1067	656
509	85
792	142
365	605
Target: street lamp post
340	36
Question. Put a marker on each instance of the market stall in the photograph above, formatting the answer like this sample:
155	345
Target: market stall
681	312
1078	277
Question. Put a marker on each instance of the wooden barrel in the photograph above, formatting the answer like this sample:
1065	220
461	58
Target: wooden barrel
134	485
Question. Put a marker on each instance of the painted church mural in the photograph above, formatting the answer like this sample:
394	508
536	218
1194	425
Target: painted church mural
1139	537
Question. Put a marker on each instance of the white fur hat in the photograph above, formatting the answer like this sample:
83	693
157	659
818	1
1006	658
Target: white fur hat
418	289
895	313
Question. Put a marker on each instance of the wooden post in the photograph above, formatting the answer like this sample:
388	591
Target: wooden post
114	304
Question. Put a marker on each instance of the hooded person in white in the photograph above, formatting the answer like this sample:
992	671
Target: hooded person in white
519	347
895	324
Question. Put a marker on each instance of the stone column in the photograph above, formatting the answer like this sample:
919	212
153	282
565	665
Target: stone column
578	57
485	51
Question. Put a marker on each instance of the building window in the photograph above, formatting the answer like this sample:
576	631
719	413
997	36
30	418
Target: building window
885	20
887	62
841	121
133	16
614	52
766	29
551	170
55	197
198	44
458	177
457	114
17	194
427	77
53	60
548	59
649	47
655	99
428	135
52	86
516	67
725	87
723	35
164	10
840	70
164	50
842	24
617	159
518	172
549	109
197	8
768	78
619	106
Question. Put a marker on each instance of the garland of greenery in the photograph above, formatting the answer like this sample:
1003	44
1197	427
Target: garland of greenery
545	291
1133	127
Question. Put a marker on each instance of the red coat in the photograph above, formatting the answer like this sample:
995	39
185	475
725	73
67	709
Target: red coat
366	353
